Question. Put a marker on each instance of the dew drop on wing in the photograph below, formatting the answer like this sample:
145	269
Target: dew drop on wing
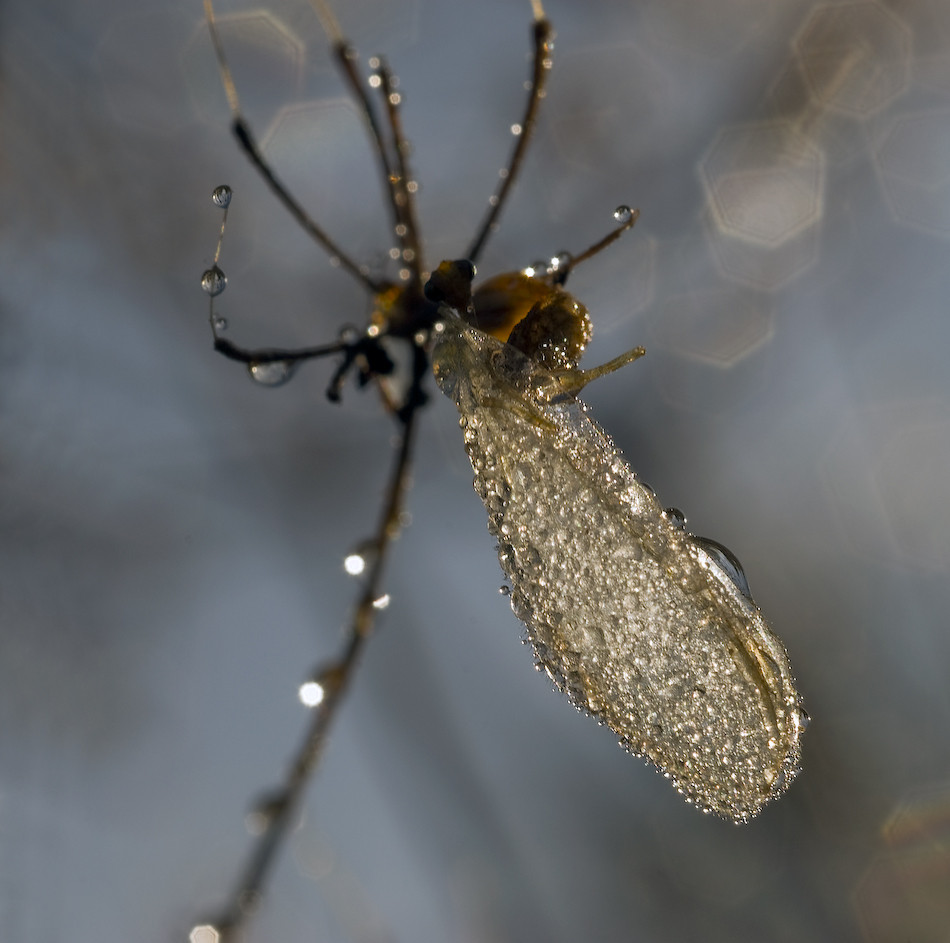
677	518
727	561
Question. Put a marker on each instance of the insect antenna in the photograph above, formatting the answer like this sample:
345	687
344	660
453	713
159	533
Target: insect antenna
565	263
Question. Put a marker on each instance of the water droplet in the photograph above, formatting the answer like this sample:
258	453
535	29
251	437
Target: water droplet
360	557
354	564
213	281
677	518
219	323
504	589
516	130
221	195
272	372
727	561
560	261
204	933
381	602
311	693
623	214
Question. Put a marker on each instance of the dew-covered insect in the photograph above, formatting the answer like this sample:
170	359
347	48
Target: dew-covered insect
645	626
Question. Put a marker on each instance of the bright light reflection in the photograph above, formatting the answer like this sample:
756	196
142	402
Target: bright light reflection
381	602
311	693
354	564
204	933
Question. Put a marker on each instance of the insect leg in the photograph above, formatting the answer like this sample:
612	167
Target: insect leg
574	380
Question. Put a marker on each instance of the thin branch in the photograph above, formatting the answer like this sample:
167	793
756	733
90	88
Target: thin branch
282	807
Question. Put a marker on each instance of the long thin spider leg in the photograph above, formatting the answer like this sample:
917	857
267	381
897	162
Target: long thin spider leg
403	184
282	806
277	354
245	137
543	33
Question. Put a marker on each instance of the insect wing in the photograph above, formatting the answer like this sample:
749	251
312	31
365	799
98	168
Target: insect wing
638	622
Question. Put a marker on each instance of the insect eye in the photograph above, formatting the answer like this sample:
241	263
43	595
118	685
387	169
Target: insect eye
451	284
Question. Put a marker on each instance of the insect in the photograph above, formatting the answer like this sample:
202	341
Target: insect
646	627
643	625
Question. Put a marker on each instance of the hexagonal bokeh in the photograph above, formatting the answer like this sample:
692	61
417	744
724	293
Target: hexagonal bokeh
764	185
257	44
855	56
764	182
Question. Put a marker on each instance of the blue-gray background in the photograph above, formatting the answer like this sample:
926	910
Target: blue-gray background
172	535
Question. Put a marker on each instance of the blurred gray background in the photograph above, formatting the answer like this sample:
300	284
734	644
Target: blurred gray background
172	535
